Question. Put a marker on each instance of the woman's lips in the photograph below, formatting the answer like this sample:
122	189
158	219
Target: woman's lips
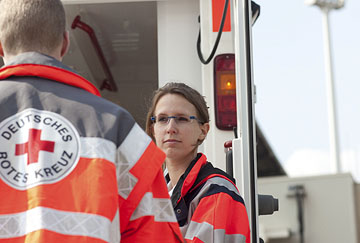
171	141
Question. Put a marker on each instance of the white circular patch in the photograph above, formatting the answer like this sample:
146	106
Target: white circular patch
37	147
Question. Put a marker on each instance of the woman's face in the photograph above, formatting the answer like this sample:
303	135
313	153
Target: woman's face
177	138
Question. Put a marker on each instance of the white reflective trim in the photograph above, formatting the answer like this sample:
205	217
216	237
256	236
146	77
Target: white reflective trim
206	233
134	145
115	236
97	148
223	182
67	223
160	208
128	153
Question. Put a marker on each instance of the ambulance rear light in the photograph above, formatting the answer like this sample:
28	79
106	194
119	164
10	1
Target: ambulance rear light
225	92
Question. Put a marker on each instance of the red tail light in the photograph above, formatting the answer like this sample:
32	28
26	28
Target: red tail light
225	92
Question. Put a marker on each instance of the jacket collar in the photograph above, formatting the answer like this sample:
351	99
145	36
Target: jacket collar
43	66
187	180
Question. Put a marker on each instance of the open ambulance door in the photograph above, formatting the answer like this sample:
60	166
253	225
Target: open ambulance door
141	45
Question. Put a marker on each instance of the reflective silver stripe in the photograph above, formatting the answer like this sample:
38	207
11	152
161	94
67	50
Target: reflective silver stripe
222	182
67	223
97	148
206	233
115	229
134	145
160	208
128	153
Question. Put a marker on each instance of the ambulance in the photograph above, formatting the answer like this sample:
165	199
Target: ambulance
129	48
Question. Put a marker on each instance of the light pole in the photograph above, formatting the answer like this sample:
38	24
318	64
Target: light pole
326	6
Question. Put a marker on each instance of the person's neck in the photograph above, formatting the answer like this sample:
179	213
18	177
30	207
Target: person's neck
177	168
8	57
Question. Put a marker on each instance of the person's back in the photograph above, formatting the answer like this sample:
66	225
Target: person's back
73	166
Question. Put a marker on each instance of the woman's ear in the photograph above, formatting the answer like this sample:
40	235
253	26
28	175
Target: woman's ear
204	131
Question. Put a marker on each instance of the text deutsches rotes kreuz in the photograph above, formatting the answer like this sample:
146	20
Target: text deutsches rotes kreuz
14	127
37	147
37	174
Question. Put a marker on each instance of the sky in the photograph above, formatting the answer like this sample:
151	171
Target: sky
289	74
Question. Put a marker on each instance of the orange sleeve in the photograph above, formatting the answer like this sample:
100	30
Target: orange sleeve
221	217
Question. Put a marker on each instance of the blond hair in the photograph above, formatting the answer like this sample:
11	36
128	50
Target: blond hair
31	25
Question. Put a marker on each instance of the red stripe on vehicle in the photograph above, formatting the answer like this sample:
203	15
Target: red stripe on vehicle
217	13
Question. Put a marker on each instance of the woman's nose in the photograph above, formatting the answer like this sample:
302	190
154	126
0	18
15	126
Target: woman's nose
171	127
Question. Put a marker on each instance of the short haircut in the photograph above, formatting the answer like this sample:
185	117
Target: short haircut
31	25
190	94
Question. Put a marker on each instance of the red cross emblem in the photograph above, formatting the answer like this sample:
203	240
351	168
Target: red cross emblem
34	146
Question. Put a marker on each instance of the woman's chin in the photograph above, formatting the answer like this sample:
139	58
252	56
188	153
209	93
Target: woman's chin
173	154
179	155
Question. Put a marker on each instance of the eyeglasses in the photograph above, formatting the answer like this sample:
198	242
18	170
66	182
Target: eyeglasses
180	120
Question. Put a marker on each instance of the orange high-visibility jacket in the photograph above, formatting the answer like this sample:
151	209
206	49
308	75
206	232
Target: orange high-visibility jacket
208	206
73	166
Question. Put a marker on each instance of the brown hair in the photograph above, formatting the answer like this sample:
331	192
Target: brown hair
190	94
31	25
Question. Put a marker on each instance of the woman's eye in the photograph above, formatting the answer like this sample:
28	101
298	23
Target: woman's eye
162	119
183	119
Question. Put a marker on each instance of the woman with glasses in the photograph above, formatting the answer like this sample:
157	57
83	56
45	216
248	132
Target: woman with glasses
206	201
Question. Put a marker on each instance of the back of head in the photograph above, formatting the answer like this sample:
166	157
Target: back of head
31	25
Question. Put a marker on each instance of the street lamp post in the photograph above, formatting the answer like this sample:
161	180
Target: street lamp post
326	6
